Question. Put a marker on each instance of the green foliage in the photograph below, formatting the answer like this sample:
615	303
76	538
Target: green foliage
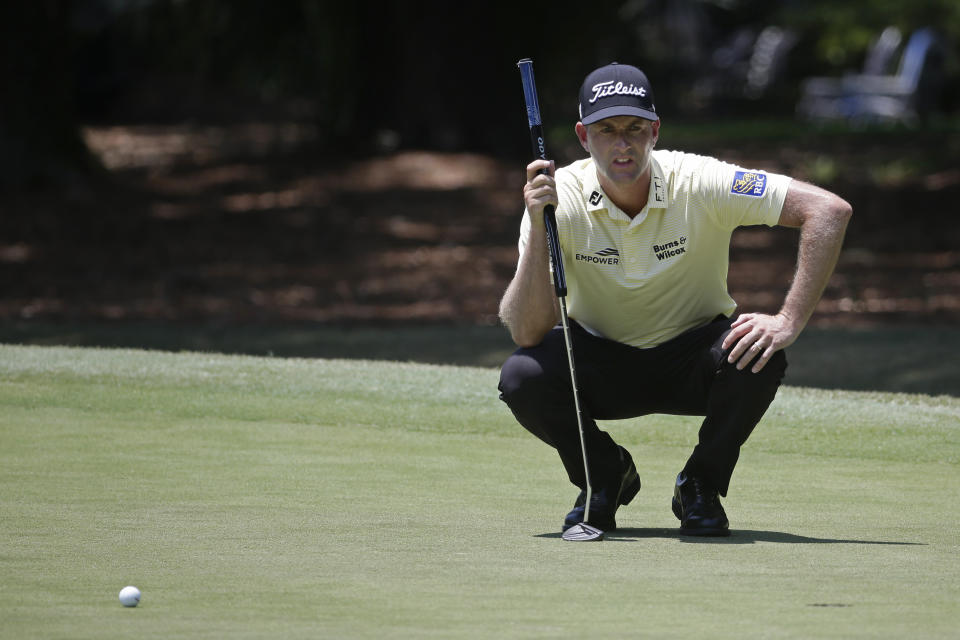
269	51
432	74
424	74
842	31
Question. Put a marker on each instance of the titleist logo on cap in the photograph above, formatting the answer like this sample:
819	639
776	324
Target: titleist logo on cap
611	88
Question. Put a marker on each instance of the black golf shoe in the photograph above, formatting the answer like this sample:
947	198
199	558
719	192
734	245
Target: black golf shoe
605	501
697	505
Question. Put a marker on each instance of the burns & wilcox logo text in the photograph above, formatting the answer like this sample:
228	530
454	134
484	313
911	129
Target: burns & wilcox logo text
670	249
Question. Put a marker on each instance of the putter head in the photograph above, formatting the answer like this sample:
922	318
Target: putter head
583	532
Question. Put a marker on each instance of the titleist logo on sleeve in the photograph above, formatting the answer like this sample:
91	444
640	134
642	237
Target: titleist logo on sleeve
604	89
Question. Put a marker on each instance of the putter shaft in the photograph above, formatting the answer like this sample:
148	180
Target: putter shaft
576	401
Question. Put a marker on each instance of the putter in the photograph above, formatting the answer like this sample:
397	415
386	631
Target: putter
581	532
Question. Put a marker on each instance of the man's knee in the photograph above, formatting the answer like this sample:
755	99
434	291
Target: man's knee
533	373
520	377
776	367
767	379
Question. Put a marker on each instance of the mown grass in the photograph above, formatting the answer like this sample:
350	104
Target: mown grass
908	359
268	497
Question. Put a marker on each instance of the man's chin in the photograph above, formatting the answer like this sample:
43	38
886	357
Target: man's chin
624	175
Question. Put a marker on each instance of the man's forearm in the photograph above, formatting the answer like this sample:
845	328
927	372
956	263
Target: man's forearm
822	218
529	307
821	238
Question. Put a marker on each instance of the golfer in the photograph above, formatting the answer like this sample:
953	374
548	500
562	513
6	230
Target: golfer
645	236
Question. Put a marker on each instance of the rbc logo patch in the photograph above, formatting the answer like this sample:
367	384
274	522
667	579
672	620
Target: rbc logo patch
749	183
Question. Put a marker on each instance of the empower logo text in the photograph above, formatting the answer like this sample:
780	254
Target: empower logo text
605	256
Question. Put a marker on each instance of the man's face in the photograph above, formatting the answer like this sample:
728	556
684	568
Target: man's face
620	146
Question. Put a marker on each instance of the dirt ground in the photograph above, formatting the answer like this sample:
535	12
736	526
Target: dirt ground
255	224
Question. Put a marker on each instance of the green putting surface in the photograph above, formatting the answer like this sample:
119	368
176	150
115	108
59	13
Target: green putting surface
264	497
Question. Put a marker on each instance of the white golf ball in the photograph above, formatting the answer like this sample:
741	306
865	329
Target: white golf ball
129	596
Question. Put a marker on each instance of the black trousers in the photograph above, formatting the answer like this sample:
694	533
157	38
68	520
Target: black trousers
688	375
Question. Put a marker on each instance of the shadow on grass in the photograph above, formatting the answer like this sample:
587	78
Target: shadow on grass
899	359
737	536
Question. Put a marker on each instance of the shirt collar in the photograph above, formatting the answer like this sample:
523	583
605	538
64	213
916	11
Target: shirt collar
592	192
658	198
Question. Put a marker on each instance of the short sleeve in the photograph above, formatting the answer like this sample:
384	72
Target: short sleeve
739	196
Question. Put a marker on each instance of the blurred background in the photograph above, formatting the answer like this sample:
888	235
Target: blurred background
334	179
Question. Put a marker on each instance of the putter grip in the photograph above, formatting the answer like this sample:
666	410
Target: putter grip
540	151
530	92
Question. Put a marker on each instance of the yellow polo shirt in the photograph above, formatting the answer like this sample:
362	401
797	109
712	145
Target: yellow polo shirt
645	280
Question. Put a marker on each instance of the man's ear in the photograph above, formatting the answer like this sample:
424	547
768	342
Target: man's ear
581	130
